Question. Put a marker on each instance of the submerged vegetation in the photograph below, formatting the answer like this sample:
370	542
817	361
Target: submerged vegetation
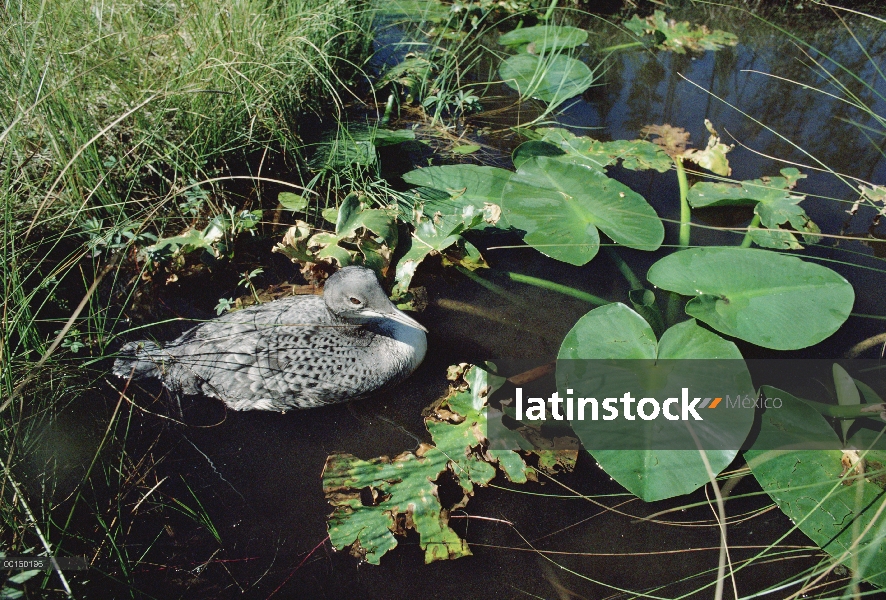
149	147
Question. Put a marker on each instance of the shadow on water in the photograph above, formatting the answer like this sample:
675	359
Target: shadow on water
234	505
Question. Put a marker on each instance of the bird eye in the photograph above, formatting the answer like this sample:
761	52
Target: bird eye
355	301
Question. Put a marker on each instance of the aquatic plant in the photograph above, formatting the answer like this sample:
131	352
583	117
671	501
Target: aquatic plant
403	490
540	69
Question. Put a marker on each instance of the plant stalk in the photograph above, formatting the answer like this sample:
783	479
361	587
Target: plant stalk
746	242
624	268
559	288
685	211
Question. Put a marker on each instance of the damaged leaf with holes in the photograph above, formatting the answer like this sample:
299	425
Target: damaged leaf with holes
774	205
378	499
636	155
675	141
363	236
678	36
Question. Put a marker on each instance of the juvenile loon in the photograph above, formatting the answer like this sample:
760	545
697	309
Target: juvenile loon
295	352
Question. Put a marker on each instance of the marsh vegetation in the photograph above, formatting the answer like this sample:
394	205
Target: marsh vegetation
539	181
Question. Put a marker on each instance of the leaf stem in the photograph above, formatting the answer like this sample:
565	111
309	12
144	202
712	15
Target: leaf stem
746	242
685	211
550	10
624	268
851	411
559	288
621	46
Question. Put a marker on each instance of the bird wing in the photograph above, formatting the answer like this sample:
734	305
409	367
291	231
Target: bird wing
286	353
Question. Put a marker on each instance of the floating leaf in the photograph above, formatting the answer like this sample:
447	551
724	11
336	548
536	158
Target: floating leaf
560	206
292	202
679	36
466	183
465	149
402	491
616	332
543	38
772	201
768	299
533	148
746	193
807	486
387	137
552	79
636	155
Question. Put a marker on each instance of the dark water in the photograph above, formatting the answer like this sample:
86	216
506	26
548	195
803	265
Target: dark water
256	476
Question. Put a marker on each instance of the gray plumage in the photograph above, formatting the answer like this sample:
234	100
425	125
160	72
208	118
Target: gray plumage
295	352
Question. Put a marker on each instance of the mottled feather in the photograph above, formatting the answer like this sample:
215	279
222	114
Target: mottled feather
296	352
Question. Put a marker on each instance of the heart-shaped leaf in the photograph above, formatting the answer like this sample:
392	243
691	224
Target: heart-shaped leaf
635	452
470	184
292	202
768	299
552	79
560	206
809	488
542	38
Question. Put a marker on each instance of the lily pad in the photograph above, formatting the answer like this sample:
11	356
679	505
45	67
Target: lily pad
465	149
615	345
772	201
543	38
552	79
636	155
768	299
560	206
378	499
293	202
465	183
809	488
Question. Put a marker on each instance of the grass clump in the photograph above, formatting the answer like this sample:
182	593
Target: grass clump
122	122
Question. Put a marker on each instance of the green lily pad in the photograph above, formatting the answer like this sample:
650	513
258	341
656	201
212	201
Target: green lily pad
293	202
807	486
768	299
552	79
543	38
531	149
560	206
772	201
636	155
465	149
465	183
615	345
402	490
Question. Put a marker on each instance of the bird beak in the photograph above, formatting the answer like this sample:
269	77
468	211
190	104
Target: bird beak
401	317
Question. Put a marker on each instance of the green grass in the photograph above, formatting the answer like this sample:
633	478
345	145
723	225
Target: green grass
123	121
